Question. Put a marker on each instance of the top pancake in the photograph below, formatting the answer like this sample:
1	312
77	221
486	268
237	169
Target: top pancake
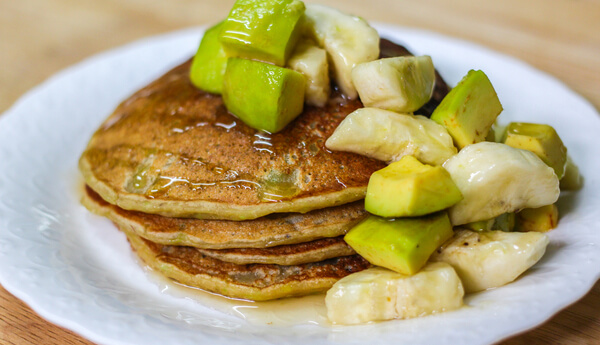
174	150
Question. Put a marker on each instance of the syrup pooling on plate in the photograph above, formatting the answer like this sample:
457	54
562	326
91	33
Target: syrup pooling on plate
282	312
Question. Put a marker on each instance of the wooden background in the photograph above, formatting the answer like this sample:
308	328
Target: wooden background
40	37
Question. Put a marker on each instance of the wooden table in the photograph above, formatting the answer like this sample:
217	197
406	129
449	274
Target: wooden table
40	37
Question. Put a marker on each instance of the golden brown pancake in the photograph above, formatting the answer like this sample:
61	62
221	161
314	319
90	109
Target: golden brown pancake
268	231
256	282
174	150
290	254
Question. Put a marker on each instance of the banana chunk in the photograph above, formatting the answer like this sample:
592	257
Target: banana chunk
379	294
389	136
491	259
495	178
402	84
348	40
311	61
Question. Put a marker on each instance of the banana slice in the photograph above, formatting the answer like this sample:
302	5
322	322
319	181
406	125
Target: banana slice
348	40
495	178
402	84
380	294
491	259
311	61
389	136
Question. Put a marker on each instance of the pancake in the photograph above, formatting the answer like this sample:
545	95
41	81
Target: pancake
258	282
294	254
211	203
268	231
174	150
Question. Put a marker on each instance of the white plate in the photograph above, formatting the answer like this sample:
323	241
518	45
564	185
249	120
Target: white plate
77	271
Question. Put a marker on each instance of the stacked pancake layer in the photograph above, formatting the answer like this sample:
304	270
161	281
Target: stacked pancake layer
214	204
184	249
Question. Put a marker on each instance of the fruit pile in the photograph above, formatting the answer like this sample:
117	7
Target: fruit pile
269	58
463	203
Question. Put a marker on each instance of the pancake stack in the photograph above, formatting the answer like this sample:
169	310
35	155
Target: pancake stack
214	204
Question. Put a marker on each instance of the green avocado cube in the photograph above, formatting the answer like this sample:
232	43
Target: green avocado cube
262	30
572	179
469	110
541	219
541	140
209	63
409	188
403	244
264	96
491	136
481	225
504	222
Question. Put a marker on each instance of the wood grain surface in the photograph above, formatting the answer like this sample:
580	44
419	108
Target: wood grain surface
40	37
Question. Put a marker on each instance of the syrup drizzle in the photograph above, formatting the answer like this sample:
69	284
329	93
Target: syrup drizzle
263	142
306	310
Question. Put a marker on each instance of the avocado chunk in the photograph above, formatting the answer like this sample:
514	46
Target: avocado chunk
539	219
262	30
469	109
541	140
482	225
571	180
209	63
409	188
504	222
491	136
264	96
402	244
402	84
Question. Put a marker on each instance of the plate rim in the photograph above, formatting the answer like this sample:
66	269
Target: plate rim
7	119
